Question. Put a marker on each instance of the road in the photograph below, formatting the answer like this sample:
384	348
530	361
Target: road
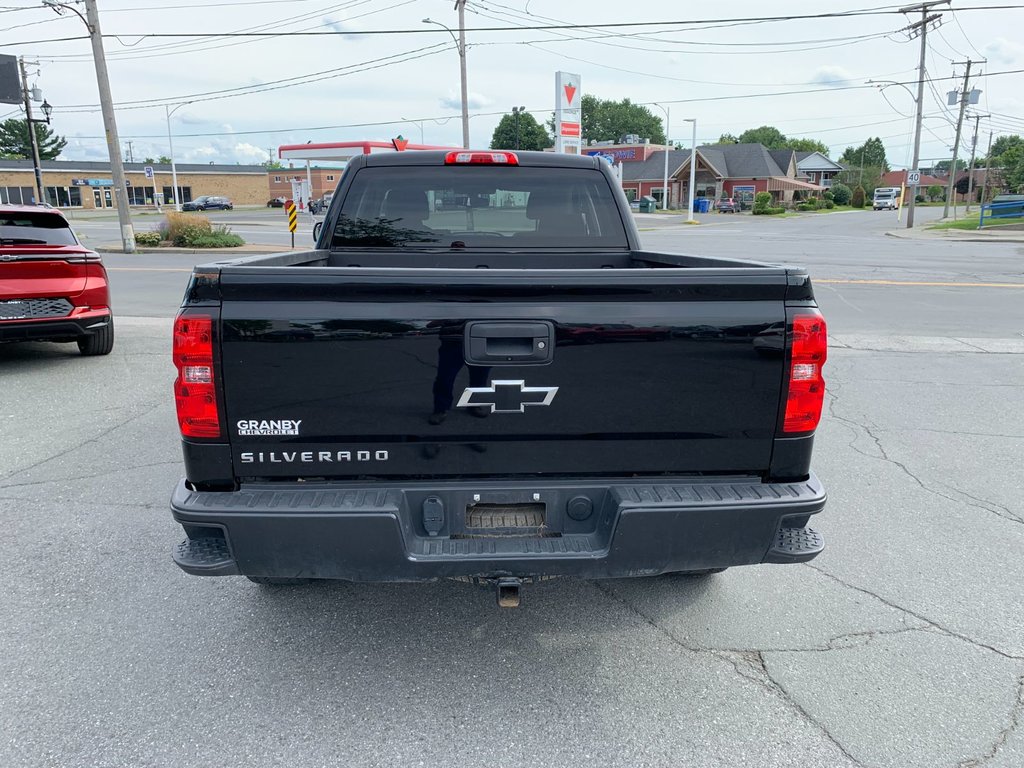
902	645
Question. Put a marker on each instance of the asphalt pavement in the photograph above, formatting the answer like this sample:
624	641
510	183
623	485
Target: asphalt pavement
902	645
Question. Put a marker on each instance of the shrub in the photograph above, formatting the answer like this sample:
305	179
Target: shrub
807	207
829	204
935	192
919	199
148	238
857	199
766	211
176	225
762	199
828	195
841	194
217	240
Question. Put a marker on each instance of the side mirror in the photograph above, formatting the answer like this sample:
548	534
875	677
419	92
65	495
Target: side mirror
316	230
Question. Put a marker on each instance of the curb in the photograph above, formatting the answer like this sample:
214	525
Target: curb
951	238
241	250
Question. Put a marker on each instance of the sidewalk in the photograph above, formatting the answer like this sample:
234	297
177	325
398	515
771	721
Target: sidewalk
1007	233
249	249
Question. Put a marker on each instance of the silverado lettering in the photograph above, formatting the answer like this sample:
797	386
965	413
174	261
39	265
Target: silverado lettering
690	389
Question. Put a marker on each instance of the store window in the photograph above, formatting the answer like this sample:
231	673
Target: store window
277	179
64	197
184	195
140	195
18	195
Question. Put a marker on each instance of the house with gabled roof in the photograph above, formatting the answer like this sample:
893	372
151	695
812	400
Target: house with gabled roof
722	170
817	169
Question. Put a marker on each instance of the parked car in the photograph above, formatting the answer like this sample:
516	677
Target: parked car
277	202
321	205
52	288
208	203
727	205
886	198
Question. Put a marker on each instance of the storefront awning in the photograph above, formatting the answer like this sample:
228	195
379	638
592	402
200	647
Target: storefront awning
785	184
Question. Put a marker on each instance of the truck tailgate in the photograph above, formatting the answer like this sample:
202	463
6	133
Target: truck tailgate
358	373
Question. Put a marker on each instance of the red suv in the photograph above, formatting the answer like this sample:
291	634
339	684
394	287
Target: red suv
52	288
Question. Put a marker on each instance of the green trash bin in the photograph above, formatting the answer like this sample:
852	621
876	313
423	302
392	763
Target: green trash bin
648	204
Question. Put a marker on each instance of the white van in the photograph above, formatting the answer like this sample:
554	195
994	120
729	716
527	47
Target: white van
886	197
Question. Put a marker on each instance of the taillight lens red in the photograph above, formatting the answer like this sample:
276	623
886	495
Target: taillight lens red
195	388
806	385
481	158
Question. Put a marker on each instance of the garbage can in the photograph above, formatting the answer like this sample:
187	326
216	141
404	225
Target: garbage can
648	204
701	205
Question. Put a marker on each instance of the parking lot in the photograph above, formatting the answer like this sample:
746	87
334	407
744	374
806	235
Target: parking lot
902	645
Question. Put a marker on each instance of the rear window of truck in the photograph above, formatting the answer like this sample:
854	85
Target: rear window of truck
479	207
31	228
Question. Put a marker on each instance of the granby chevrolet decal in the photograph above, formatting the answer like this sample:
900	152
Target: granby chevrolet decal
254	427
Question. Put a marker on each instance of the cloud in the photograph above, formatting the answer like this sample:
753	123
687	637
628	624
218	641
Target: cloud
1003	51
473	101
342	29
831	76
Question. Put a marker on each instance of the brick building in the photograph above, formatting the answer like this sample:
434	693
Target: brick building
89	185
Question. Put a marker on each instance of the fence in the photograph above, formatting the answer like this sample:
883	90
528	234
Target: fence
1014	209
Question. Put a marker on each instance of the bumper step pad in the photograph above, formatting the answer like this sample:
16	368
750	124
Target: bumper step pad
795	545
205	557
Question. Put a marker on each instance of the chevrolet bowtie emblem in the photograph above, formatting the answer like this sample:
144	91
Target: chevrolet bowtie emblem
506	396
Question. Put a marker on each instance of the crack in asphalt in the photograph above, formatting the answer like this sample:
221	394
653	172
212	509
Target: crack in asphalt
117	471
856	427
1004	735
747	664
930	622
95	438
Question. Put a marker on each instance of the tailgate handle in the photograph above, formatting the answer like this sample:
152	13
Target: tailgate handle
509	342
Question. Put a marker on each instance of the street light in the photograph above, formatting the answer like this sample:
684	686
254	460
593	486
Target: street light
170	141
664	186
460	46
516	111
693	165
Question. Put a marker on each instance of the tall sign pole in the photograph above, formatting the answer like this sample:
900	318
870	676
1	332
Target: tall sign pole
568	113
124	216
970	167
922	27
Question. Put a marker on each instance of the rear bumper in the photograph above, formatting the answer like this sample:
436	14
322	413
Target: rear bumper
54	328
378	532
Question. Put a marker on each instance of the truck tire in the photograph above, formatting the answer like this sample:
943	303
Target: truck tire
99	343
277	582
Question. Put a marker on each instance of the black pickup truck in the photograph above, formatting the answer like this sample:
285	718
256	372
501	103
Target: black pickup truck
478	373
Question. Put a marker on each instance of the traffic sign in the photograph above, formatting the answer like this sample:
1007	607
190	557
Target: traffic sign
293	215
913	178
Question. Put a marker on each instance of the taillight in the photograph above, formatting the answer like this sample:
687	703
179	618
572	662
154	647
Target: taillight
806	385
481	158
195	388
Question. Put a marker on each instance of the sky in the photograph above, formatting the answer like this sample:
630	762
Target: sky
383	72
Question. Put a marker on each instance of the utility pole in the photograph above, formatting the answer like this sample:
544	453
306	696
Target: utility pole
964	96
988	155
32	138
921	27
460	5
131	157
970	168
124	216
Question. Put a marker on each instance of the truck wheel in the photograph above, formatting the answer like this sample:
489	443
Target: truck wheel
99	343
277	582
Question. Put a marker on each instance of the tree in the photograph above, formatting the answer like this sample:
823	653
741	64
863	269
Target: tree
806	145
943	165
14	140
857	199
164	160
271	165
870	153
1012	163
532	135
935	192
606	120
842	194
1003	143
727	138
768	135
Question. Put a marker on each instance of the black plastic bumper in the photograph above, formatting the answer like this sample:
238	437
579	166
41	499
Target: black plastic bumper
380	533
57	329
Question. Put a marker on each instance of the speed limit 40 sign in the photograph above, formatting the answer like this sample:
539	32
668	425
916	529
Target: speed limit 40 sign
913	178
